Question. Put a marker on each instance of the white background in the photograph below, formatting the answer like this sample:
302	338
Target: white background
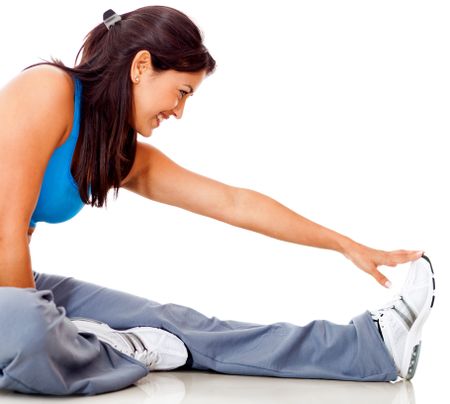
336	109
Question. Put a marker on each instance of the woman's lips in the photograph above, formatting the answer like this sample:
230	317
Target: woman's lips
160	120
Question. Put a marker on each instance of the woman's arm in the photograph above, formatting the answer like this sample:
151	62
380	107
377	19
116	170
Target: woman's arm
32	124
158	178
260	213
15	261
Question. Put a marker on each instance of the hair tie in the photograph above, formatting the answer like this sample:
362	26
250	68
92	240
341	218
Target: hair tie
110	18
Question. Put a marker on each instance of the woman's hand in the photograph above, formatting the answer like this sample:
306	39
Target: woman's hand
368	259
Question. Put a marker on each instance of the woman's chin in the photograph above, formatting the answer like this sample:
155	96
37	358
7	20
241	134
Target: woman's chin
146	134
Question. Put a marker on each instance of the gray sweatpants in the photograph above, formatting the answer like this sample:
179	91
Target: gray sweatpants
41	351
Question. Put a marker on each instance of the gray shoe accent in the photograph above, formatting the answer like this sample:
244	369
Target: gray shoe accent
413	362
409	308
136	341
128	340
408	322
412	315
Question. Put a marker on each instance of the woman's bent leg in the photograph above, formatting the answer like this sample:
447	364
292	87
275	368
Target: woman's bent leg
41	351
320	349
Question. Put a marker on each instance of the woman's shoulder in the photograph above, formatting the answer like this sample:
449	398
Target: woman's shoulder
54	81
49	76
57	83
44	71
43	95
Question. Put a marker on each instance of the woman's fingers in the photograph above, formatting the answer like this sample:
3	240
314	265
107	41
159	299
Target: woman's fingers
369	259
381	279
394	258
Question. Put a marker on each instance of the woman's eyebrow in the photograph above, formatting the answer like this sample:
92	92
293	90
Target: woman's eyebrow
192	90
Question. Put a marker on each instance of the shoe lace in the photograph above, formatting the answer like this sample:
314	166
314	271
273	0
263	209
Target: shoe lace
150	358
376	314
392	303
401	307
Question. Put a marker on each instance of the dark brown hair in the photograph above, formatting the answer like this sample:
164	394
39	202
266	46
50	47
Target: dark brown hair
108	142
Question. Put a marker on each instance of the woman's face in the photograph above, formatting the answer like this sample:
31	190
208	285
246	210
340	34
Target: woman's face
158	94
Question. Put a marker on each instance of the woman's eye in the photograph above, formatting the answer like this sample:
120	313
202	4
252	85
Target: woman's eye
184	93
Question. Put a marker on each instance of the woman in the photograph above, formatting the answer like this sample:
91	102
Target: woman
63	336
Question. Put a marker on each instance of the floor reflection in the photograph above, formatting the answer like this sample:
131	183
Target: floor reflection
198	387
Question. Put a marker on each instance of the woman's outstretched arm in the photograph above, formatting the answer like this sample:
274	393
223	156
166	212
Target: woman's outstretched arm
155	176
260	213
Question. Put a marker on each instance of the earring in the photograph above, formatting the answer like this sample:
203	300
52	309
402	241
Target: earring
137	78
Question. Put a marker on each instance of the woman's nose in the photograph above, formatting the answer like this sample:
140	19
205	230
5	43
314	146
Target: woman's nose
178	112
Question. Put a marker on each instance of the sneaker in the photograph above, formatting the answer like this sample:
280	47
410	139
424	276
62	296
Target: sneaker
400	321
156	348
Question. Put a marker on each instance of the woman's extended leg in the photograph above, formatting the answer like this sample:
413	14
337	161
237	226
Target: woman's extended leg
320	349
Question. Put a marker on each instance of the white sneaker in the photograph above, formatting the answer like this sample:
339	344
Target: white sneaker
156	348
401	321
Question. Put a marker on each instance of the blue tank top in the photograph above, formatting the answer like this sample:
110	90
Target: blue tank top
59	199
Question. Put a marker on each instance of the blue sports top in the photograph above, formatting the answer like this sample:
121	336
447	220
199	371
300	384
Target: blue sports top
59	199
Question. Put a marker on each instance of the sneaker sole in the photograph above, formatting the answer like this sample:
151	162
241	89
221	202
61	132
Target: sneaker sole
413	341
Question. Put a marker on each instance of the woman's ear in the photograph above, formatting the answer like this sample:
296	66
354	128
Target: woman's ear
142	62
